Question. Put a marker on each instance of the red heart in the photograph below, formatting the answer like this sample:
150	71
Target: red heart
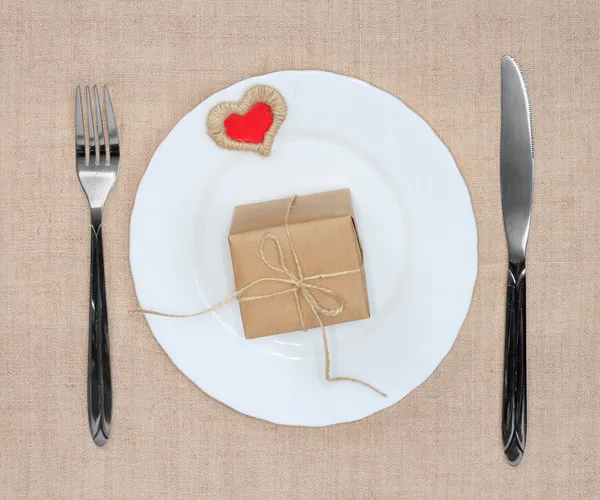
252	126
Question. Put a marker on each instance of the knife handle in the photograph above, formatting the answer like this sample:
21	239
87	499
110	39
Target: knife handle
514	401
99	380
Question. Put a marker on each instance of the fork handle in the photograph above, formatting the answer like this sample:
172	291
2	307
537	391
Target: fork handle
99	381
514	401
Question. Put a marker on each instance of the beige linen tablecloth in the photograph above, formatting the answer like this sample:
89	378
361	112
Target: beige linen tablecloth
170	440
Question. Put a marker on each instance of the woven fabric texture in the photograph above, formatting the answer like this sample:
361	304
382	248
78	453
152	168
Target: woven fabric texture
170	440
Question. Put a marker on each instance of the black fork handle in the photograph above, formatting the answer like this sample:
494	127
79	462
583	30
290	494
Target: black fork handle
99	380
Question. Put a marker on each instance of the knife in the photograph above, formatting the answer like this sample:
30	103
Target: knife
516	178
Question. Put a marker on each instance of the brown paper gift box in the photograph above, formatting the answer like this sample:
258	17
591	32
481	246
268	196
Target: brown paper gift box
324	234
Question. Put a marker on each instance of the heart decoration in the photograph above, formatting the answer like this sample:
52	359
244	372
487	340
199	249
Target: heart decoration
250	124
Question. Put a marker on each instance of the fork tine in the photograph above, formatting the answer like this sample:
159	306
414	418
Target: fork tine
90	124
111	125
79	132
99	129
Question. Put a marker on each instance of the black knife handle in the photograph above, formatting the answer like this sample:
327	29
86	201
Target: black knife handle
99	380
514	401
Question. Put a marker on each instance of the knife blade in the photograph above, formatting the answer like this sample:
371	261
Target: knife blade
516	178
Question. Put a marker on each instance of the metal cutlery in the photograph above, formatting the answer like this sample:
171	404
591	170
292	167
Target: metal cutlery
516	176
97	173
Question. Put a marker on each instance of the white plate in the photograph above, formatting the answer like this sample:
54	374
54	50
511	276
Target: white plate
413	213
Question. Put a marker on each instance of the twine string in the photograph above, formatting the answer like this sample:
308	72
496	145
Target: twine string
300	285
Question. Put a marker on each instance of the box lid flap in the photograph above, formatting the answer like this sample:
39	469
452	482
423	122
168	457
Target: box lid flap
269	214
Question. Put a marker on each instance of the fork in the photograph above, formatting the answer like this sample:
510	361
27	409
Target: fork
97	174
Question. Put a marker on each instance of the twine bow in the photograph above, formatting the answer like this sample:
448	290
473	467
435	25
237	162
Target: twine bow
300	285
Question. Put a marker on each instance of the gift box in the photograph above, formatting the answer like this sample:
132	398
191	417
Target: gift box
298	264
